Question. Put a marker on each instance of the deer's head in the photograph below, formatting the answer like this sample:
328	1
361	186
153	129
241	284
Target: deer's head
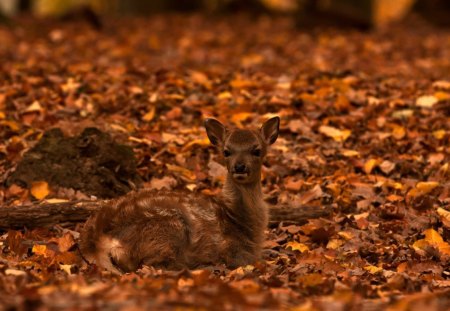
243	150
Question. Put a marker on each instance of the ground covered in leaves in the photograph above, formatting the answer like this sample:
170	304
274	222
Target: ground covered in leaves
365	128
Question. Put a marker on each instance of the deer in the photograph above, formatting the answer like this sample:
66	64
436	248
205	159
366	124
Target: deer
175	230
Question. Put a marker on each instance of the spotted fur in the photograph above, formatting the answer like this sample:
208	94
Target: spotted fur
175	230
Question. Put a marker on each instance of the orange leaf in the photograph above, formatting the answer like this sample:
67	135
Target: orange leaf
370	165
238	118
149	115
39	189
297	246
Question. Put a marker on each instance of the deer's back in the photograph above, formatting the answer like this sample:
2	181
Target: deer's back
169	229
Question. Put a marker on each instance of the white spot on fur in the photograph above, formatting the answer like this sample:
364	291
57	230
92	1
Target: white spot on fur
109	247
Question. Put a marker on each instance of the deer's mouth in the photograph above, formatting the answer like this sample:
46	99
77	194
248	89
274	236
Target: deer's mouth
240	176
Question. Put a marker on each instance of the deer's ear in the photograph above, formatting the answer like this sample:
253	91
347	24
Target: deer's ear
215	130
270	129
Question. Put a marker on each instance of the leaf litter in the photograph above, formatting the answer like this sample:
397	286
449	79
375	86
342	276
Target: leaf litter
365	129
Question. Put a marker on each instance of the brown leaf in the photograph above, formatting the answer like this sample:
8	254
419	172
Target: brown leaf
315	193
293	184
166	182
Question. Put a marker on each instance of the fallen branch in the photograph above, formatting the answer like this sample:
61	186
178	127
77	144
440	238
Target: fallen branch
50	214
298	215
46	214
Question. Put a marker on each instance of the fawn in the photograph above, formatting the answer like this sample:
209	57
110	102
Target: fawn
176	230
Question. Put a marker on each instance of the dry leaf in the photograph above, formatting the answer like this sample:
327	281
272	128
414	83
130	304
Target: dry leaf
238	118
39	189
398	132
196	142
34	107
185	173
346	235
432	239
370	165
349	153
334	243
445	216
442	84
426	186
167	182
373	269
15	272
311	195
387	167
150	114
427	101
217	171
293	184
295	246
439	134
336	134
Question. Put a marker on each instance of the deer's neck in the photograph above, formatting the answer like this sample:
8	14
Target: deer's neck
246	208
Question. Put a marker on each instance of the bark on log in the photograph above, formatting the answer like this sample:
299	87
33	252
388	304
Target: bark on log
47	214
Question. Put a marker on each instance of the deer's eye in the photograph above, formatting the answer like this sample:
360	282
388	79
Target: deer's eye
256	152
226	153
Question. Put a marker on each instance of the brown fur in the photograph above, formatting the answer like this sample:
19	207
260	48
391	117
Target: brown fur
175	230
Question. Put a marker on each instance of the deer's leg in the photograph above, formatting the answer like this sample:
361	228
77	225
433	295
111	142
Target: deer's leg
237	254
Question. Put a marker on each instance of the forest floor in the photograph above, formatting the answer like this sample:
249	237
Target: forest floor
365	128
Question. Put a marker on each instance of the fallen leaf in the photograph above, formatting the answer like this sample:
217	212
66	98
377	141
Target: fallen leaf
310	195
442	84
427	101
41	250
184	172
426	186
203	142
442	96
166	182
373	269
246	286
350	153
34	107
66	242
402	114
238	118
432	239
150	114
336	134
224	95
69	269
70	86
293	184
15	272
135	90
370	165
334	243
217	171
311	280
398	132
346	235
39	189
422	188
445	216
13	126
387	167
295	246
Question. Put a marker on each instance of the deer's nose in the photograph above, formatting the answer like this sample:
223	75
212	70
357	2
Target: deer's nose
240	168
